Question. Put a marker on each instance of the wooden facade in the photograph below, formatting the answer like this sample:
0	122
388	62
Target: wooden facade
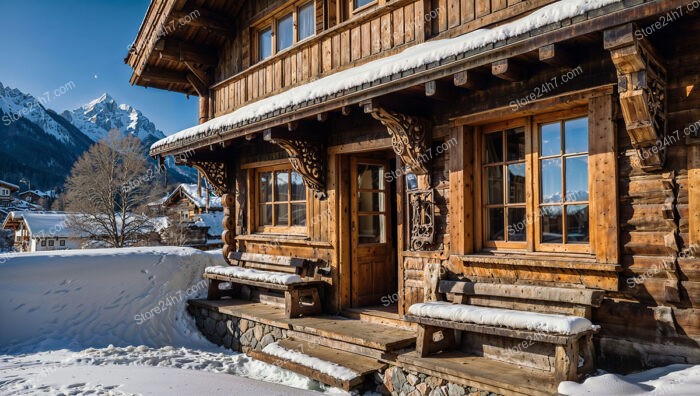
478	201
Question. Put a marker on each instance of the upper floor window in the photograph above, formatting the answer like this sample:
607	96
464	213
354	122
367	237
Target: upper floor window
535	185
361	3
288	27
265	43
281	200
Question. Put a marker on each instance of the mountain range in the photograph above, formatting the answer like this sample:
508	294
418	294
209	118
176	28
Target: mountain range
41	146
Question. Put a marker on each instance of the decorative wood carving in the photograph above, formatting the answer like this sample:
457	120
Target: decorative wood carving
421	218
642	88
216	174
307	156
410	138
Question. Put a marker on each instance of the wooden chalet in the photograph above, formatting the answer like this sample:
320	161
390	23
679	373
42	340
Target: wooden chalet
397	174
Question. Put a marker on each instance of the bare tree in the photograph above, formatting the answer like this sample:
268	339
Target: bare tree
108	189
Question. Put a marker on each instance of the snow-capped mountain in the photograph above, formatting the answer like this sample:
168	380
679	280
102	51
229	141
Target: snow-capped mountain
103	114
16	104
41	146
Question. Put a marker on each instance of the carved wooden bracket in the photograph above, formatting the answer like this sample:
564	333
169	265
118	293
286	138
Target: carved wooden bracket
308	157
216	173
642	88
421	218
410	137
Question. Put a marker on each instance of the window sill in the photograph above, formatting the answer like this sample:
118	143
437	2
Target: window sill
285	239
545	260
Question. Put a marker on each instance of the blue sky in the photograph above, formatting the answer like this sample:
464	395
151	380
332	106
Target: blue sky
46	44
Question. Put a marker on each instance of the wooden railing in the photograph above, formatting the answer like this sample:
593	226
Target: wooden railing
376	34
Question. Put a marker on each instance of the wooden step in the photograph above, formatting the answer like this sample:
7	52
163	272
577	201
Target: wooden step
483	373
379	316
361	365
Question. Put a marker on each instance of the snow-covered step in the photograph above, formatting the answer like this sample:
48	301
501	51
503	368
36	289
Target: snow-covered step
330	366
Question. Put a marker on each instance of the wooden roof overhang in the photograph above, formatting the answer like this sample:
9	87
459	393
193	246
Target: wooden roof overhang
177	44
483	58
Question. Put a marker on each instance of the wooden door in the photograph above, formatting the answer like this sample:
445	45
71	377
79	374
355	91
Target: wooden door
374	274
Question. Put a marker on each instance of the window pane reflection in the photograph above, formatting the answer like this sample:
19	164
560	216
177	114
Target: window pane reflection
285	32
371	229
266	187
576	136
515	148
551	224
265	43
298	189
371	202
307	25
298	214
495	222
516	224
516	183
551	180
494	147
550	141
281	186
577	178
577	224
494	185
370	177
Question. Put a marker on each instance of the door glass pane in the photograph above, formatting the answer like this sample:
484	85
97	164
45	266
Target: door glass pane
516	183
494	147
298	189
371	202
371	229
516	224
551	224
281	214
576	136
265	43
577	224
494	185
370	177
306	21
495	223
515	148
281	186
550	142
265	214
266	187
299	214
551	180
577	178
285	32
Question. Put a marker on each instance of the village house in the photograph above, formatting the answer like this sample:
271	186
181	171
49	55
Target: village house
36	231
6	191
36	197
485	194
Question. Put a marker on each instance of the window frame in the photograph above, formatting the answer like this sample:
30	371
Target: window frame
289	229
532	241
562	247
272	23
357	10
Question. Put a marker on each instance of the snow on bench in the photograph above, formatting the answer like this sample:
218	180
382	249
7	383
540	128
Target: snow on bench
278	278
498	317
325	367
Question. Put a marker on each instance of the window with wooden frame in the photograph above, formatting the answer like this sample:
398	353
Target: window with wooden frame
285	28
535	183
359	5
281	200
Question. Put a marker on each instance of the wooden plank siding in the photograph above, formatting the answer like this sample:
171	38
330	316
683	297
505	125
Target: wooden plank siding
380	32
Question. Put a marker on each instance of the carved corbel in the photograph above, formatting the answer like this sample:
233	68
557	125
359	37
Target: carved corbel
410	137
307	156
421	218
642	90
216	173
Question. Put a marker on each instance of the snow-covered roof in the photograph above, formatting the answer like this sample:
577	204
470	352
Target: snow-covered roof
192	193
421	55
48	224
212	220
42	194
9	185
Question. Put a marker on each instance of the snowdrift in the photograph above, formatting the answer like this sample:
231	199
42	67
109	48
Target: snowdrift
95	298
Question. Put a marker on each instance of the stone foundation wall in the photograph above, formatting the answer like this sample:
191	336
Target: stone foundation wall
396	381
239	334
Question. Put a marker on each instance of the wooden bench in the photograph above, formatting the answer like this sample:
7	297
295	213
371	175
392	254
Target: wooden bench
507	323
290	282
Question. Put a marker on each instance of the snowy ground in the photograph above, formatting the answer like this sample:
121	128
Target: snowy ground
113	321
673	380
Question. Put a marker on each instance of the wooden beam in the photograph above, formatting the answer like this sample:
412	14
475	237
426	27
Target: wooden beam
201	89
461	191
180	51
322	117
292	126
556	55
439	91
202	18
694	193
508	69
165	76
346	110
471	79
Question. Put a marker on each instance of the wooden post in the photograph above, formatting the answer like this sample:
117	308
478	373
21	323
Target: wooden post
694	192
461	191
434	339
203	109
604	182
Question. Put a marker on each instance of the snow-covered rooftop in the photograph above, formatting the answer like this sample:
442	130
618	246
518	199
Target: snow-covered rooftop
414	57
9	185
191	192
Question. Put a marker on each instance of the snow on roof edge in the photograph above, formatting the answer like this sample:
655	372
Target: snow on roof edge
411	58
